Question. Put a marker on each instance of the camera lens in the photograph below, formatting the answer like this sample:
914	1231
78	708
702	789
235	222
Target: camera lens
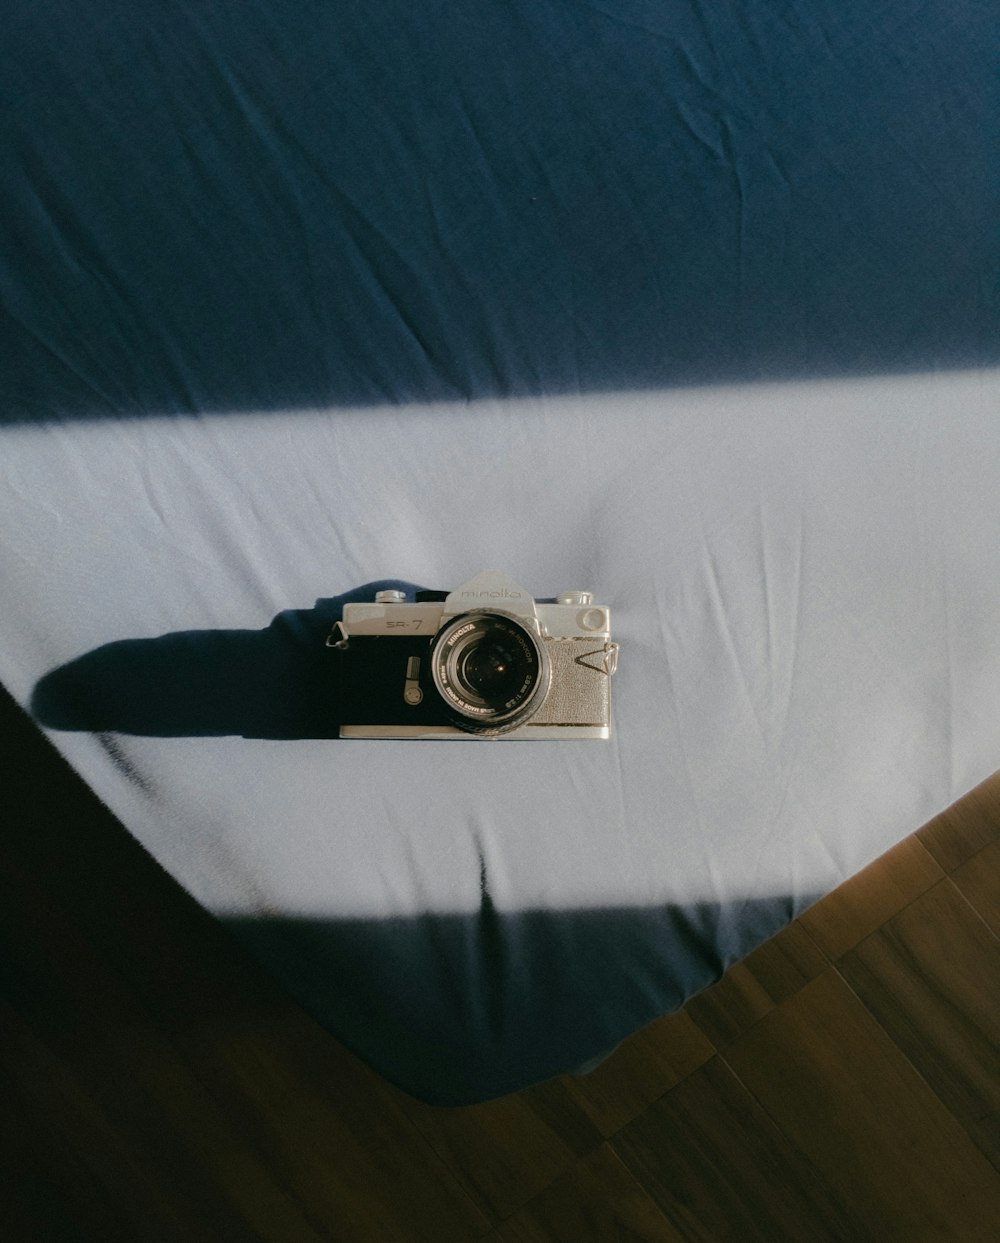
491	671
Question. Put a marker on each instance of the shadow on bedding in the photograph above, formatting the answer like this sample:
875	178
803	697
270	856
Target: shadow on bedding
272	683
455	1009
248	206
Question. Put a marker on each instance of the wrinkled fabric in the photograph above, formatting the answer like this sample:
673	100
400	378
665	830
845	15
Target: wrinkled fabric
690	306
252	206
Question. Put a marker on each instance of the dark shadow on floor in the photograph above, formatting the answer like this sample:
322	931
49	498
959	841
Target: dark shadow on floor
248	206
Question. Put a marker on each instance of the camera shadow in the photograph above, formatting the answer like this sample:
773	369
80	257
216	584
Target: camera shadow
273	683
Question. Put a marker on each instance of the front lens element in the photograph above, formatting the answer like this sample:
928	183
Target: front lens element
491	671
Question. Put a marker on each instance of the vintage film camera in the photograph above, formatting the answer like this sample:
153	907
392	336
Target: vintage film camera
485	661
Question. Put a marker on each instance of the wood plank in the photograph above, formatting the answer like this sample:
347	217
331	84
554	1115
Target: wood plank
60	1198
720	1170
218	1130
965	827
639	1071
752	988
597	1201
931	976
846	1096
978	879
334	1133
93	1067
503	1152
557	1107
126	1158
859	906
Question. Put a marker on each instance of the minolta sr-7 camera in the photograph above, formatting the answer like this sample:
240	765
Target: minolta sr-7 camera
485	661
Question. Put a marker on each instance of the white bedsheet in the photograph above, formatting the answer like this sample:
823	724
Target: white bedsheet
805	582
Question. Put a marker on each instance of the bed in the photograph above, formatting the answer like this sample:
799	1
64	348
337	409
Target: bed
693	308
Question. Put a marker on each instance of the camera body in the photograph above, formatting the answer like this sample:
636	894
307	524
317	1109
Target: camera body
484	661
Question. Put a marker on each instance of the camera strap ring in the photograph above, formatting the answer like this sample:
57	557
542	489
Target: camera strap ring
341	642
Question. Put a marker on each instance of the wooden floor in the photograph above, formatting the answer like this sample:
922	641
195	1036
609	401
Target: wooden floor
843	1083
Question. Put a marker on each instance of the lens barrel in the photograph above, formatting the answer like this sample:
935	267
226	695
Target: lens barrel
491	671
